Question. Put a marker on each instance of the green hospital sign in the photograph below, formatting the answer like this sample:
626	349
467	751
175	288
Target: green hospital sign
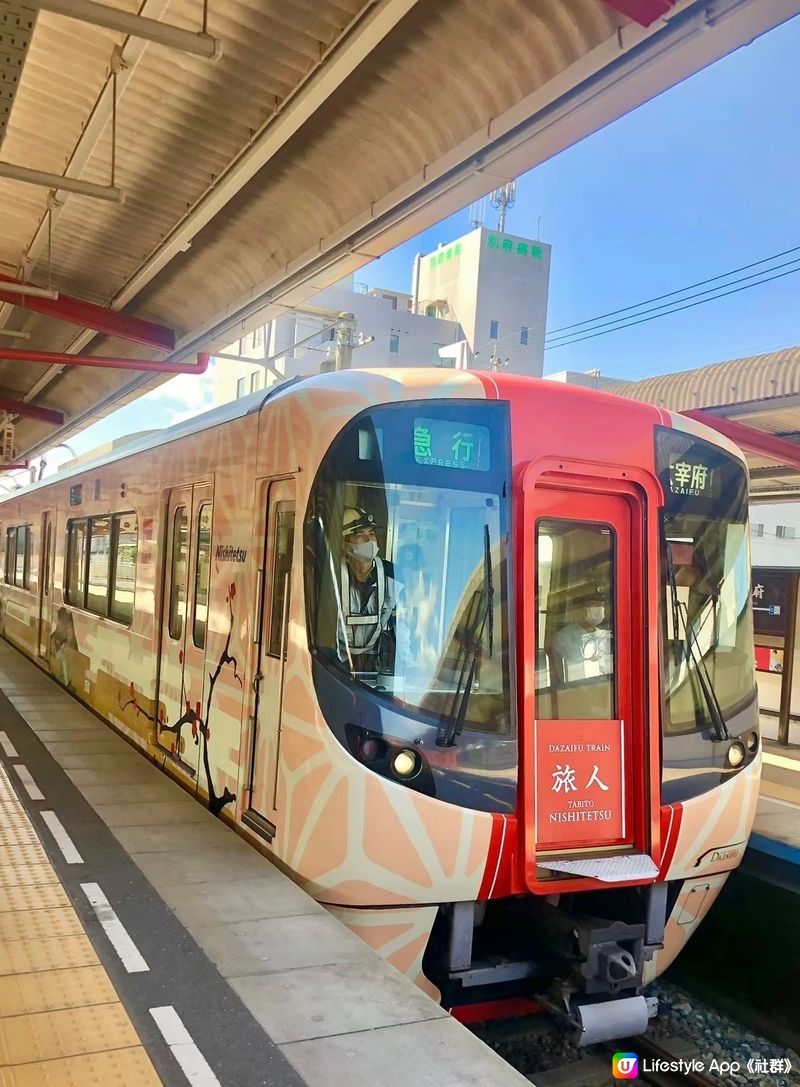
445	255
507	245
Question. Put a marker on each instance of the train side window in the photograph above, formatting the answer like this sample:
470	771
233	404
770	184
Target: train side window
202	573
11	551
125	546
76	563
177	593
575	658
26	577
21	556
283	538
99	561
19	541
48	551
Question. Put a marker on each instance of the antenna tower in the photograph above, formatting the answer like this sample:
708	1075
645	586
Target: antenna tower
502	199
477	213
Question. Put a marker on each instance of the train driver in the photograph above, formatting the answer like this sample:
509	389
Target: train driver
370	593
583	647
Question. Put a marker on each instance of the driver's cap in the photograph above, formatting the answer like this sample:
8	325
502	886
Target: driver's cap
355	519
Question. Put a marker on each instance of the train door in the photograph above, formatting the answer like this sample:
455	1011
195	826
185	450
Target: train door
276	581
46	585
183	677
585	728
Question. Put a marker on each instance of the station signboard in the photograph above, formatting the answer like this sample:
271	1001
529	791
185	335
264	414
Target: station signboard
580	784
770	594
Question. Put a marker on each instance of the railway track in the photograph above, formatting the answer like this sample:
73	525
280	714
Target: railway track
694	1046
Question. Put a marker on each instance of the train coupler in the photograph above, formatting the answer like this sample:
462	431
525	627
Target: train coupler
607	1019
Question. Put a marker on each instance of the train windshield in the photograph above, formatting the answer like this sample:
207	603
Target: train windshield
707	616
407	540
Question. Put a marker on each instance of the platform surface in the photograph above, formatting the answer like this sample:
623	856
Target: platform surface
145	941
773	852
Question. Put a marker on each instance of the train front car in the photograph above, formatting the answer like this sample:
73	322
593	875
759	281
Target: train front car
555	711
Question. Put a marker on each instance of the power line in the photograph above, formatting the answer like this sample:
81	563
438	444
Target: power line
671	294
669	307
667	313
667	310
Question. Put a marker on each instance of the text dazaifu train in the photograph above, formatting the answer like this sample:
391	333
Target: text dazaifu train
538	773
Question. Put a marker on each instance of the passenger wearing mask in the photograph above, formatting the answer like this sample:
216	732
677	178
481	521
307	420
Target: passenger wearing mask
583	648
369	595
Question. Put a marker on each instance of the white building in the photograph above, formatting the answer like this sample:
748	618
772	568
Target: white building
775	534
476	302
495	285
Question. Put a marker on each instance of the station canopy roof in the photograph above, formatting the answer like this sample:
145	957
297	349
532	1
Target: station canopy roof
206	169
755	401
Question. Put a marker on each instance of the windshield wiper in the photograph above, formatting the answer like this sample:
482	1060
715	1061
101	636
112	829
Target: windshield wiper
452	725
690	650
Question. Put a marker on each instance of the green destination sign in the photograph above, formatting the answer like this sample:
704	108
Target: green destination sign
692	478
444	444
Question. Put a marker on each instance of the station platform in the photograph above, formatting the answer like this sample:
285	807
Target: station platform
143	941
774	848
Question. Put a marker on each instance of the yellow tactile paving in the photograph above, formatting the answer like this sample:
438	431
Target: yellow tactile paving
30	875
45	897
48	990
64	1033
117	1068
16	830
55	953
23	853
61	1020
39	925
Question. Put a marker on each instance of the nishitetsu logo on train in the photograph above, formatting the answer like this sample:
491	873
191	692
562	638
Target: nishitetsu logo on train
230	553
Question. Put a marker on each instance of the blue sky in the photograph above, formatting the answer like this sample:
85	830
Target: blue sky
698	181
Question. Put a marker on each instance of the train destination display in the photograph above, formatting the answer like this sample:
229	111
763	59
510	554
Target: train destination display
444	443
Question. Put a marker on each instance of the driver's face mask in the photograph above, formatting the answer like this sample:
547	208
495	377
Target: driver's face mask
363	552
596	613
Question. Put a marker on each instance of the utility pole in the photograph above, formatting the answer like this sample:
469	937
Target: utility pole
345	328
495	361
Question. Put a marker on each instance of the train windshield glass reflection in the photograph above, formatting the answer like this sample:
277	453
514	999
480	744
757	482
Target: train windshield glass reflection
705	584
408	563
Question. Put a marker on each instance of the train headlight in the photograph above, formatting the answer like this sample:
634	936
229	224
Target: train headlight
752	741
736	754
406	763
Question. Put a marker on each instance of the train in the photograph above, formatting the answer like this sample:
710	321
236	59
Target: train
469	655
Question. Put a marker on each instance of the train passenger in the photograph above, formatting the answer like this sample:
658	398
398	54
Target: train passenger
370	593
583	647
